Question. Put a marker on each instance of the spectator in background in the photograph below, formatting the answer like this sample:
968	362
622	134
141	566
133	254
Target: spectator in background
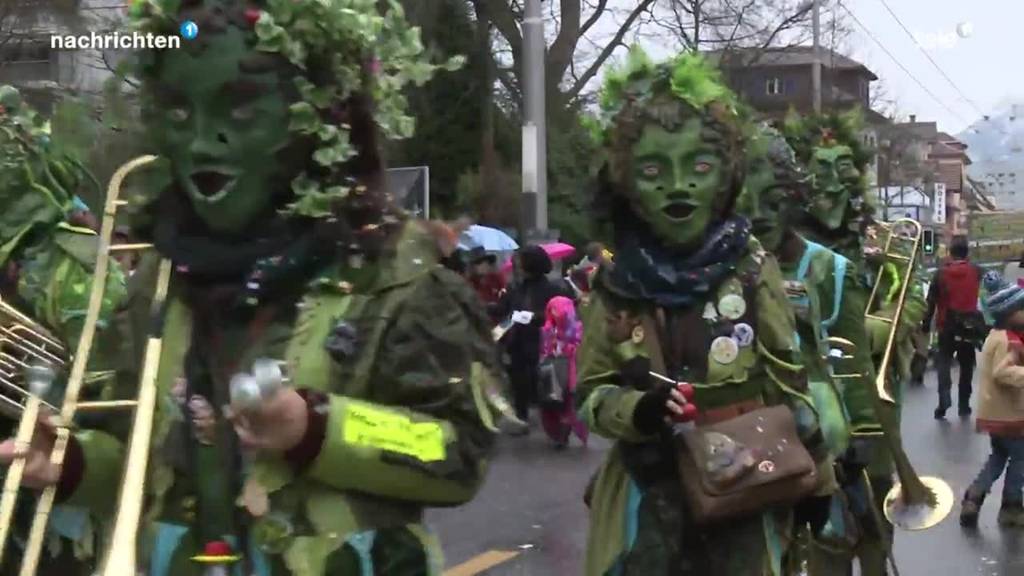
485	277
953	302
1000	413
581	274
560	337
524	303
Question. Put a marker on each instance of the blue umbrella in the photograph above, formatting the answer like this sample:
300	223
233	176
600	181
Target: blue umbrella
490	239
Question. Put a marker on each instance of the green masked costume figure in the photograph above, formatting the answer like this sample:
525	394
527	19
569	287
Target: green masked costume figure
838	216
828	299
47	260
285	247
816	279
692	296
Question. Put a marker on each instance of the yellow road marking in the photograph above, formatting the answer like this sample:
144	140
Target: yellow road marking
478	564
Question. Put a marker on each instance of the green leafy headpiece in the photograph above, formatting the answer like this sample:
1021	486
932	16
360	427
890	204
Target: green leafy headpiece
806	133
37	182
768	145
667	94
343	49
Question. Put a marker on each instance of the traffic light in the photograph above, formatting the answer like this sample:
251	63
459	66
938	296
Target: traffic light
929	242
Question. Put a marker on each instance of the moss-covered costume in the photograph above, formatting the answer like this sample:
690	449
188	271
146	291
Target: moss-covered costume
408	420
856	528
284	246
47	262
638	518
698	302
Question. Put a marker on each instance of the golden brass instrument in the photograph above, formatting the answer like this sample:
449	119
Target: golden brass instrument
119	559
915	502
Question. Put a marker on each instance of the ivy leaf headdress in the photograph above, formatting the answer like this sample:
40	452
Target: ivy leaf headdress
361	46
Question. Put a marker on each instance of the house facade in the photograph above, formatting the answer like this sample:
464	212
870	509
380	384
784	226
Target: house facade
29	60
776	81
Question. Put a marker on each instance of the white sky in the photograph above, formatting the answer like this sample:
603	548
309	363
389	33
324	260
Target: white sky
985	65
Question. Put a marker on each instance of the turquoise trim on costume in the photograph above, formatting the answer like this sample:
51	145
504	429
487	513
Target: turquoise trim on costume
632	513
773	543
362	543
838	273
168	536
69	522
79	204
835	528
839	264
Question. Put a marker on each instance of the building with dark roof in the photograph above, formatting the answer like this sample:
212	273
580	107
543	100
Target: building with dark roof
775	80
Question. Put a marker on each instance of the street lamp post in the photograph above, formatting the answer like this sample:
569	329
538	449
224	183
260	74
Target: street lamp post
534	217
816	65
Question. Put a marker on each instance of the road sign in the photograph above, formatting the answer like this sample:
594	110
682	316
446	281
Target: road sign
996	236
939	209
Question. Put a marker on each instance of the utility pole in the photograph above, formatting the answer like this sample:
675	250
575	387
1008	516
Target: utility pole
816	65
534	217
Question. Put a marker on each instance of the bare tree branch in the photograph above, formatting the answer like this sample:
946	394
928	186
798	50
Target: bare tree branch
564	47
610	48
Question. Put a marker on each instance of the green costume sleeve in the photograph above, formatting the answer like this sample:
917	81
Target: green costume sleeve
426	433
56	278
103	456
850	326
604	405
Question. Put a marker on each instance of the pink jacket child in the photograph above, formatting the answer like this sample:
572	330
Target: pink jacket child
561	336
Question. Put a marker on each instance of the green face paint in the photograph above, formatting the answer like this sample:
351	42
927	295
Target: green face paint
676	177
834	182
221	129
764	202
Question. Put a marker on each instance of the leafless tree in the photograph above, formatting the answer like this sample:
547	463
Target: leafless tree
585	34
726	24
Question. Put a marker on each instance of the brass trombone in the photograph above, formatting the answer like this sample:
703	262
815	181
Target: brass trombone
119	559
915	502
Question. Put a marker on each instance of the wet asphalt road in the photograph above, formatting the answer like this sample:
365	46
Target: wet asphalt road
532	504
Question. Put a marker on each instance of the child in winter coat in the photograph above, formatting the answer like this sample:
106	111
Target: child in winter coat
1001	408
561	335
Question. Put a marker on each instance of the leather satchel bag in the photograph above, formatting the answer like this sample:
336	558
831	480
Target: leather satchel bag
745	465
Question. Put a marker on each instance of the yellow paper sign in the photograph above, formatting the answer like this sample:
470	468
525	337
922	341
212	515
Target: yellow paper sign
385	430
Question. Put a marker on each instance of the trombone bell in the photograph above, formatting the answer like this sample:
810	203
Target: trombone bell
919	516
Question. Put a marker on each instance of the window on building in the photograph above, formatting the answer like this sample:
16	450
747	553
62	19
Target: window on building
24	52
773	87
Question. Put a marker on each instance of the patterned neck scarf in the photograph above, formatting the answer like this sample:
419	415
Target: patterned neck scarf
646	270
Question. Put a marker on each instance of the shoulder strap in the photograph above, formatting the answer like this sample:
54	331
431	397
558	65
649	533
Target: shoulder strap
839	264
805	260
652	336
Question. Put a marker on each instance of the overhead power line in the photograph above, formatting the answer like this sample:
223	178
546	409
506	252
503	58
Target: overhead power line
898	63
932	60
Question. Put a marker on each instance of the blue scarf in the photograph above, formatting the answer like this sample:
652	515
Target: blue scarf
647	270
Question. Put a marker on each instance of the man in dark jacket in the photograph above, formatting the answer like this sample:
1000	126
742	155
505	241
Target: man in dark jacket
954	296
524	303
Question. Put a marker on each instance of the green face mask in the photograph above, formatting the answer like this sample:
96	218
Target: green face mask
764	202
676	177
221	129
834	181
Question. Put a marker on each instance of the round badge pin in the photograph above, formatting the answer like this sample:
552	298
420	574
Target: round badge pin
744	334
638	335
724	350
732	306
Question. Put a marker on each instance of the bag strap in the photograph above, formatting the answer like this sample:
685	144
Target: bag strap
652	341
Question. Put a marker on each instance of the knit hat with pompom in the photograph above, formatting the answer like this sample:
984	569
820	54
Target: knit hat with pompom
1004	298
